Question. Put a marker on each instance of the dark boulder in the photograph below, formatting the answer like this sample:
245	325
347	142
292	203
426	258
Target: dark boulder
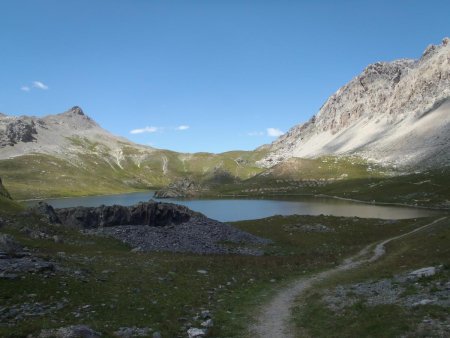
47	212
9	246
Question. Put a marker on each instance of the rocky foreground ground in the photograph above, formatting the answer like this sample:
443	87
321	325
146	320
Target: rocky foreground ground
149	226
198	235
155	226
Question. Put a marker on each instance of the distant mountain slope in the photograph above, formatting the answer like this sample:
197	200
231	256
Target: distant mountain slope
54	135
393	113
70	154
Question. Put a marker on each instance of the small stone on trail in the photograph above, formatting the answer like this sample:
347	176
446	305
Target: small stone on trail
205	314
195	333
423	302
424	272
208	323
128	332
74	331
57	239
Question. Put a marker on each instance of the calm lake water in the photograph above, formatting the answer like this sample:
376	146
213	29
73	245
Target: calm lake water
227	210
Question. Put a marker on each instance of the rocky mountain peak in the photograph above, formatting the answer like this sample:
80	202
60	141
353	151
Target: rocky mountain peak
431	49
74	117
368	115
387	68
76	110
65	135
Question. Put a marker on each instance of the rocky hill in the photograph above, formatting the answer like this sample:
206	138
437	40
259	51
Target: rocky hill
57	135
392	113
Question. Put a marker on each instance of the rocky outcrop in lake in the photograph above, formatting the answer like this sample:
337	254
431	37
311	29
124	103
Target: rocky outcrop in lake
145	213
181	188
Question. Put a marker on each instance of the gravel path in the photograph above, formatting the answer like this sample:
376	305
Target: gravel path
274	317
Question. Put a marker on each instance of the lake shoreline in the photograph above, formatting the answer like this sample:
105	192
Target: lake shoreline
236	196
335	197
235	208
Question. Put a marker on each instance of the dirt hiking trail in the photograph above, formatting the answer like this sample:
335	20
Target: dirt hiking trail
274	318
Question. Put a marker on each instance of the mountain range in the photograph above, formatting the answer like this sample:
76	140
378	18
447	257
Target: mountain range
394	116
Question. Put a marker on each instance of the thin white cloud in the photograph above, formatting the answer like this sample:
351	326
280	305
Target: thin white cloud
255	133
40	85
274	132
182	127
145	130
25	88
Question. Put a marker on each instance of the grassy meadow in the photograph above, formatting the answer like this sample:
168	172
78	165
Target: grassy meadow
101	283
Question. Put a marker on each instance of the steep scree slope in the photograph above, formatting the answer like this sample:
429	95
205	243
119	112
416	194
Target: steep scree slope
393	113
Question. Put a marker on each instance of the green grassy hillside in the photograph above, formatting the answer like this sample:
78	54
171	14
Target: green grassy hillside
3	192
92	168
8	206
352	178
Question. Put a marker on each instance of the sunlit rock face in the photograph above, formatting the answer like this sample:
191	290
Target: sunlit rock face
393	112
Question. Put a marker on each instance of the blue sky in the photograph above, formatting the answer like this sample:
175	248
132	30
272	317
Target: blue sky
200	75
